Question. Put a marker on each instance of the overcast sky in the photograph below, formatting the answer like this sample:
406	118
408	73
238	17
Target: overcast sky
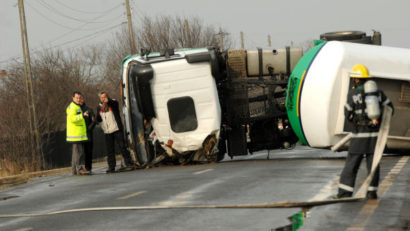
74	23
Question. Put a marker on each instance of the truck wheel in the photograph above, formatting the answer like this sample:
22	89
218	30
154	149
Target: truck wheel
342	35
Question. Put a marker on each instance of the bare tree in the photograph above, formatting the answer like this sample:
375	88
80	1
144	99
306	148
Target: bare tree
57	73
170	32
156	33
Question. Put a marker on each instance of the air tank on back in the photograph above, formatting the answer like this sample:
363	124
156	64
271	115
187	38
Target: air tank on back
372	100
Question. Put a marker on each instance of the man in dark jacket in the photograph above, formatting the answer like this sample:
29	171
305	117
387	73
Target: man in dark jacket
108	114
364	136
90	123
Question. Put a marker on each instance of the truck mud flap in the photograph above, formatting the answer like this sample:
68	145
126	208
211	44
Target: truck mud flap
236	137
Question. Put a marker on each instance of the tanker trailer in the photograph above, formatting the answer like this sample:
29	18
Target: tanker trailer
319	84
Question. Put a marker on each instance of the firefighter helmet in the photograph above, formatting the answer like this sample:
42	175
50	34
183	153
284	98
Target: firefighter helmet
359	71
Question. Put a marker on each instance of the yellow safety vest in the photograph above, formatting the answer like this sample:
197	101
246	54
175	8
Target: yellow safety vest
76	128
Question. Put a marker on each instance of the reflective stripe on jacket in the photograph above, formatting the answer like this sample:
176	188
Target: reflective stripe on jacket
364	135
76	129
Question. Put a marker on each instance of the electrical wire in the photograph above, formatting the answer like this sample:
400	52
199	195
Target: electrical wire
94	34
48	19
88	36
16	57
139	14
77	28
55	11
77	10
64	26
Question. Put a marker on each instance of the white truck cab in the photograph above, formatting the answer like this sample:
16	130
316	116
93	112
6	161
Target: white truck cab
176	94
198	104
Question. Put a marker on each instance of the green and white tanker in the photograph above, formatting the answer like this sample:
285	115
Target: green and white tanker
318	87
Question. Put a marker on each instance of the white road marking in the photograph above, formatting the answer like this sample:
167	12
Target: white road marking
183	196
368	209
203	171
131	195
188	196
172	203
326	191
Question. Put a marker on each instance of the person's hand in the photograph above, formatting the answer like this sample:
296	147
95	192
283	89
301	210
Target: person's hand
85	114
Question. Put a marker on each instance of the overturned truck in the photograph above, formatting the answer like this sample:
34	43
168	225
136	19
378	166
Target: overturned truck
199	104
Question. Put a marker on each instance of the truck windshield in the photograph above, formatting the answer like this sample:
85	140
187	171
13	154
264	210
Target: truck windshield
182	114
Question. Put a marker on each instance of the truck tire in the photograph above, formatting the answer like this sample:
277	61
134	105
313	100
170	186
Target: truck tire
343	35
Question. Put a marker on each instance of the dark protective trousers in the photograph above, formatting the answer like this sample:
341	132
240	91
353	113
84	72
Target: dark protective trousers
110	140
349	173
88	157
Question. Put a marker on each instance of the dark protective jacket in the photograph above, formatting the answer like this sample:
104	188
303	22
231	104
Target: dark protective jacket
364	135
89	121
110	116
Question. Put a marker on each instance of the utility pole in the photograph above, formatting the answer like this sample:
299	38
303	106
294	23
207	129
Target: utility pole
130	31
188	34
269	41
36	140
221	39
242	43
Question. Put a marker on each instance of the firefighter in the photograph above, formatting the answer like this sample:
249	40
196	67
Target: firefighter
365	131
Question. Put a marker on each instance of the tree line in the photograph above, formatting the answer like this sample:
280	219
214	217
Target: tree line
90	69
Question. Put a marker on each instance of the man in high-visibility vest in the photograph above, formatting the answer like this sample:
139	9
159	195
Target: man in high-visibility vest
76	133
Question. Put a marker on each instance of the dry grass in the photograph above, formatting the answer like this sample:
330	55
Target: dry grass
10	168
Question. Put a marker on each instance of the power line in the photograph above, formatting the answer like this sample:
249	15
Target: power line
77	10
55	11
139	14
79	27
94	34
89	36
59	24
64	34
16	57
50	20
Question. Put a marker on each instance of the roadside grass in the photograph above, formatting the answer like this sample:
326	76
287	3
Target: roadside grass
11	168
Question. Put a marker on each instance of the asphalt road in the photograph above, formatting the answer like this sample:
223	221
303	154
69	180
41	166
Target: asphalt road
301	174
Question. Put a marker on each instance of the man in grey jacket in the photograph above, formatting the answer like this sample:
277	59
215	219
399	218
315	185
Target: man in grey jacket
108	114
